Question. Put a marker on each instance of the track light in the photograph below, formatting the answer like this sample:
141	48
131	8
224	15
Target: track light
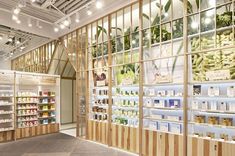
89	12
14	17
16	10
33	1
29	23
10	39
18	21
77	19
99	4
17	42
1	38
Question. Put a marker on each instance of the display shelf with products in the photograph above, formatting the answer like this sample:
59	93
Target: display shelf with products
213	115
7	102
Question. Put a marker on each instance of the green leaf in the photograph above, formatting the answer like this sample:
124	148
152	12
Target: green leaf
146	16
167	6
198	3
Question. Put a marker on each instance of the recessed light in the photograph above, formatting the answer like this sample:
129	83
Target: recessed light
77	20
66	22
18	42
62	26
33	1
99	4
14	17
30	25
0	37
10	39
56	29
89	12
18	21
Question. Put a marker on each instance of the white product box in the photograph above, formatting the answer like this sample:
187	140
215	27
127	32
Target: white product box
213	106
157	116
153	125
223	106
148	102
231	107
231	91
170	93
176	128
213	91
159	103
161	93
204	105
164	126
151	92
195	105
174	118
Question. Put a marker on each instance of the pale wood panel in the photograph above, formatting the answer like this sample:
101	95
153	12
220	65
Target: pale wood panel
6	136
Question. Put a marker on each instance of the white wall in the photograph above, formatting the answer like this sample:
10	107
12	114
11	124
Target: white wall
6	65
66	101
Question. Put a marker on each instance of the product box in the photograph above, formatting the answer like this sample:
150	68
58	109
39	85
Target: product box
231	91
223	106
174	103
157	116
163	126
213	91
204	105
174	118
175	128
170	93
196	90
213	106
227	121
231	107
151	92
199	119
213	120
160	103
148	102
195	105
161	93
152	125
210	135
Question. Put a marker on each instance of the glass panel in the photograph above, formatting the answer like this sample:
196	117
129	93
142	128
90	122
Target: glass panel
193	6
146	14
178	9
204	4
224	16
193	24
208	20
155	12
178	28
166	32
166	11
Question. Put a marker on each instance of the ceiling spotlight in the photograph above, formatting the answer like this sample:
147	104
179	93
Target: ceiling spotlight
22	47
33	1
17	42
10	40
29	23
14	17
1	38
89	12
62	26
77	20
38	25
99	4
16	11
18	21
56	29
66	22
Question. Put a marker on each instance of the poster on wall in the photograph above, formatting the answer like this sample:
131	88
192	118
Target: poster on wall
100	74
214	66
127	74
164	70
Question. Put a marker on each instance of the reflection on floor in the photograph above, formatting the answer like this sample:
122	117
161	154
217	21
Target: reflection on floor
56	145
71	132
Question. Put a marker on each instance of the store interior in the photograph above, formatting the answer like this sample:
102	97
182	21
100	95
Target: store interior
143	77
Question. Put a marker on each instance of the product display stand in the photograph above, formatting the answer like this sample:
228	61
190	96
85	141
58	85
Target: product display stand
29	104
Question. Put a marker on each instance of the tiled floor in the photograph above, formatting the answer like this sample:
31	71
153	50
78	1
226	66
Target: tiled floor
56	145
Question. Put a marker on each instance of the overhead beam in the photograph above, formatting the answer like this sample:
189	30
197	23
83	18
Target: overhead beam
75	2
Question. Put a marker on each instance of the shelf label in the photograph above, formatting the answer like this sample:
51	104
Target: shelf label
218	75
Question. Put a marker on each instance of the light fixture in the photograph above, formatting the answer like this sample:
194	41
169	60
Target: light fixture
211	2
33	1
16	10
66	22
98	4
22	47
1	38
18	21
14	17
56	29
207	21
77	19
29	22
62	26
17	42
38	25
89	12
10	39
194	25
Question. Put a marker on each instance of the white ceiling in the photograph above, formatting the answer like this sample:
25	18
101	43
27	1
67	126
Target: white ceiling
52	12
